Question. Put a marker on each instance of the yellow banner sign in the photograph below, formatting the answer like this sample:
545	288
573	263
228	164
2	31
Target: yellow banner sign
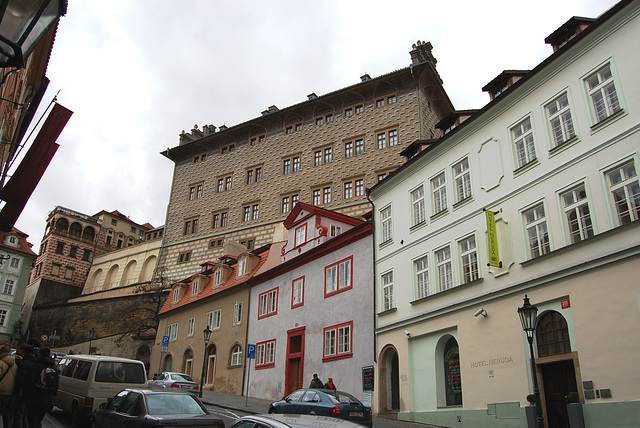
492	238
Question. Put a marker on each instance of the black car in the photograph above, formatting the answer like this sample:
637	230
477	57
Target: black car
324	402
141	408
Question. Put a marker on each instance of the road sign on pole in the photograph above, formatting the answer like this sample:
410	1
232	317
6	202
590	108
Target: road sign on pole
165	340
251	352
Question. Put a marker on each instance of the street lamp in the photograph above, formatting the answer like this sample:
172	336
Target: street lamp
207	335
92	333
23	24
528	317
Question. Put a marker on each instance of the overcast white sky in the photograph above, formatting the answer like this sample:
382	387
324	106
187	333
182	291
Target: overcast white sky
137	73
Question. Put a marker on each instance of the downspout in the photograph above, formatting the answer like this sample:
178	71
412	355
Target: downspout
367	192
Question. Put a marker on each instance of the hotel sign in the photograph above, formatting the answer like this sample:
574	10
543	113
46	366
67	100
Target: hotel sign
492	239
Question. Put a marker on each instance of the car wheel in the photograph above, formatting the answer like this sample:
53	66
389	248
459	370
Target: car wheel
76	419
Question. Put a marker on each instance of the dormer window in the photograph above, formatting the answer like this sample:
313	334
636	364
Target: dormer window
301	235
242	267
217	278
176	295
335	230
195	285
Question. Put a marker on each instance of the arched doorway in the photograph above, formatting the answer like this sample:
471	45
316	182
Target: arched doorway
144	354
211	365
559	374
187	366
167	365
389	378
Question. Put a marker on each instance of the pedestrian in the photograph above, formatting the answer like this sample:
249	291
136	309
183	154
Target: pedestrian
8	371
25	360
330	384
316	382
45	386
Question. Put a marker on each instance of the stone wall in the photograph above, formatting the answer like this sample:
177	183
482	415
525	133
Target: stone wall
108	317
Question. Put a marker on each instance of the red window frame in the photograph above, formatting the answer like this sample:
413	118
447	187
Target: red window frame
268	314
337	356
294	305
338	289
264	356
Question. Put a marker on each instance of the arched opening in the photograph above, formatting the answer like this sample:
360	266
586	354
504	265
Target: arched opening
62	225
211	365
112	276
552	335
144	354
94	284
129	271
389	379
236	355
448	380
187	364
146	273
558	373
167	364
75	229
88	233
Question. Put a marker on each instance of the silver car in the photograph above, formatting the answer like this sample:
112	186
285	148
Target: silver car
292	421
174	380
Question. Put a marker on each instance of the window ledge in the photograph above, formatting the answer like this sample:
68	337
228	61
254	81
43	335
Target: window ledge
564	145
442	293
387	312
463	202
385	243
571	247
337	357
608	121
439	214
418	226
526	167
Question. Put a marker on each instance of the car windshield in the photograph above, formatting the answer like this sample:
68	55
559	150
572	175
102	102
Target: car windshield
338	397
181	377
173	404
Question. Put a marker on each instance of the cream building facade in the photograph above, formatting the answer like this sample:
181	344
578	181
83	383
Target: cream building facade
554	157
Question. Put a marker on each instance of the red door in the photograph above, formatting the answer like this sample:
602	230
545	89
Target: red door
295	360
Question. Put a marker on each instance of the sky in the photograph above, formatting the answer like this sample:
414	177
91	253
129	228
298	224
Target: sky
136	73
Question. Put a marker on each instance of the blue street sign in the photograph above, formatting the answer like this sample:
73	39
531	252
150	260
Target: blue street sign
251	352
165	340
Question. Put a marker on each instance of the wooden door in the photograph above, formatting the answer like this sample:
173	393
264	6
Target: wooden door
559	379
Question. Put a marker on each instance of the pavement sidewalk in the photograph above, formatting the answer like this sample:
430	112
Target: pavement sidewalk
236	402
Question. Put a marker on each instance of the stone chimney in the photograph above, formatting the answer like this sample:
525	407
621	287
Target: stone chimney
421	52
208	129
196	132
185	138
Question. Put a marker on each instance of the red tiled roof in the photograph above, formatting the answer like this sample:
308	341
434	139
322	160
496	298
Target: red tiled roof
23	244
208	289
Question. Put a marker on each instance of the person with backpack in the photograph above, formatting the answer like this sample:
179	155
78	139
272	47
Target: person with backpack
26	358
8	371
44	387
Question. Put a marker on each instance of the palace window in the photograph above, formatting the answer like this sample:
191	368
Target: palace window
603	94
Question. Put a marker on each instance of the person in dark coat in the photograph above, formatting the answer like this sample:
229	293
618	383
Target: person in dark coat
40	400
25	360
316	382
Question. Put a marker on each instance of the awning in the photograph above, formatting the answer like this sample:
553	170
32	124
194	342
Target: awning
24	180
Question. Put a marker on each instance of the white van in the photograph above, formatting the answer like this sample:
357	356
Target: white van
86	381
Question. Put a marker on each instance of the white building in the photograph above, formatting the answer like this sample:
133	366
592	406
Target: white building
555	156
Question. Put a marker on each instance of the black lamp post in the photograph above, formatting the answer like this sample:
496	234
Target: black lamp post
23	24
528	317
92	333
207	335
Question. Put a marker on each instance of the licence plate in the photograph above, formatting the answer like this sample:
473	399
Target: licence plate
355	414
187	386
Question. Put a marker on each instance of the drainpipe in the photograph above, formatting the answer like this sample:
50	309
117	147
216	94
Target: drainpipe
367	192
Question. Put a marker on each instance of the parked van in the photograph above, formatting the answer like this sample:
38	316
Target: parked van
86	381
